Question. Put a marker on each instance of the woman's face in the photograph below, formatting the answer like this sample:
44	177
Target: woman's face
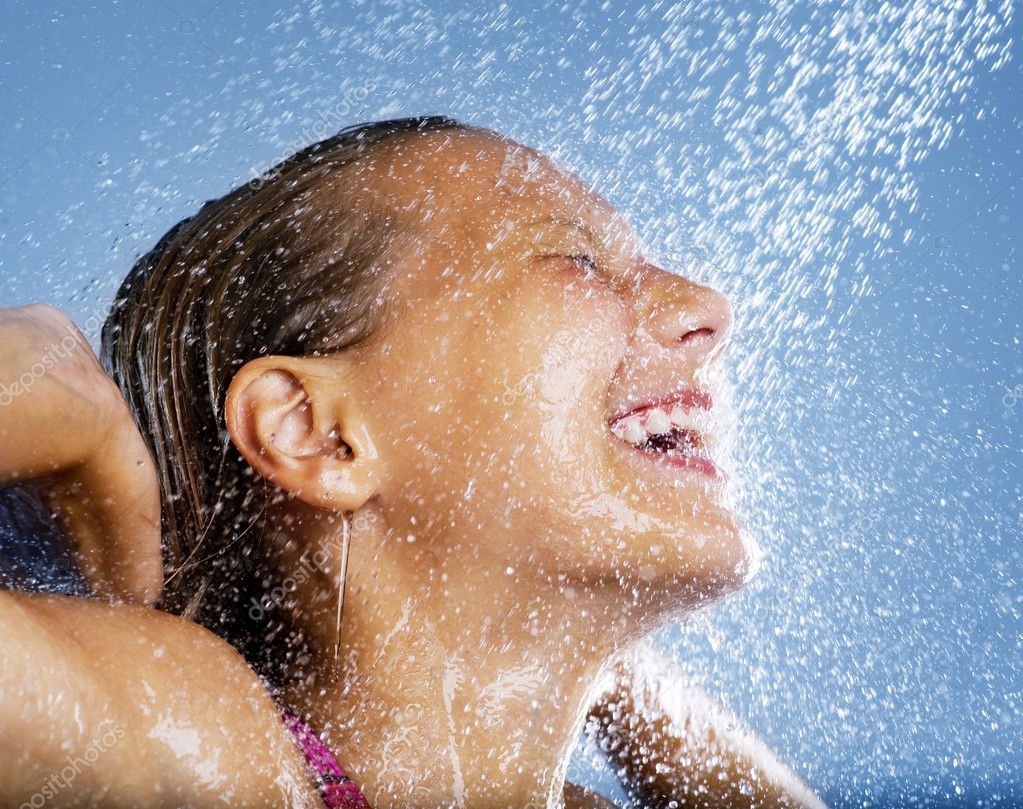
543	399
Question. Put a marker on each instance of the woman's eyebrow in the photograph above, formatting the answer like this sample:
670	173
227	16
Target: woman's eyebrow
616	231
575	224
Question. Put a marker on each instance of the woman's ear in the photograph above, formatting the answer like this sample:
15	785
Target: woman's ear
295	422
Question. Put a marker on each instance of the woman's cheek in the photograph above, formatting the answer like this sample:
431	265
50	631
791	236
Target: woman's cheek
518	372
578	361
601	327
580	328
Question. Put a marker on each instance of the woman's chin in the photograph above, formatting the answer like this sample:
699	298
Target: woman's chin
692	567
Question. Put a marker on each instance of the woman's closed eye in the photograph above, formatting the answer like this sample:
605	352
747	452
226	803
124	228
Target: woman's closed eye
567	239
586	262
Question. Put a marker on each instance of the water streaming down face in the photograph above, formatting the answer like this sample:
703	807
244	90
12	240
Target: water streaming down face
789	153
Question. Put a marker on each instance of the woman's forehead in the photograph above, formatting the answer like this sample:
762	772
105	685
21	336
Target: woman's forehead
469	173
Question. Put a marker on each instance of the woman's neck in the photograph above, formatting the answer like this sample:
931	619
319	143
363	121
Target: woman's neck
458	686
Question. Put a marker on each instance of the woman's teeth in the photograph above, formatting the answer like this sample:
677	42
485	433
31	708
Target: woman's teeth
663	429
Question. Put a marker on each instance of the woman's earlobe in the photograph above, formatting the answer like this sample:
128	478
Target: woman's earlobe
301	433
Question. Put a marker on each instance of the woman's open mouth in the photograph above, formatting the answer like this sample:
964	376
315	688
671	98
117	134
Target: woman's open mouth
674	430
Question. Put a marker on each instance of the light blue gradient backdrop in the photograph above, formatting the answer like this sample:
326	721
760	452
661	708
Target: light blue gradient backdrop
880	649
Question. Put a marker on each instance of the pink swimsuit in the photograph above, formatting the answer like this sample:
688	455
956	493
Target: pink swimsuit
337	789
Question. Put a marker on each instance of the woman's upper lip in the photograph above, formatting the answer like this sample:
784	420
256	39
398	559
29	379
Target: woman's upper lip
688	398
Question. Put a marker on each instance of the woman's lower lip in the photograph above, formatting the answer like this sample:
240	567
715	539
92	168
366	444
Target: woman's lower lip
690	463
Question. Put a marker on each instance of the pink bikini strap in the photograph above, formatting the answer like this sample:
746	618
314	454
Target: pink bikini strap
337	789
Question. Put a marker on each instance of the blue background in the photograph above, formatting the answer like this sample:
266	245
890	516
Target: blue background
875	271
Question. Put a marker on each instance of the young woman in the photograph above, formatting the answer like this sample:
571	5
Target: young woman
418	372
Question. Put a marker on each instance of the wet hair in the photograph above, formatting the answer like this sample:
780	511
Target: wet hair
286	264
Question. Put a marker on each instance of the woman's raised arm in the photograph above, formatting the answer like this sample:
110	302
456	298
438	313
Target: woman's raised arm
64	424
105	703
675	746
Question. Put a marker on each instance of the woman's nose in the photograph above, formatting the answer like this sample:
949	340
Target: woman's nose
681	314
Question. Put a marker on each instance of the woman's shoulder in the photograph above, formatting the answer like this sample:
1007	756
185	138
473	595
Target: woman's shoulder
192	714
123	642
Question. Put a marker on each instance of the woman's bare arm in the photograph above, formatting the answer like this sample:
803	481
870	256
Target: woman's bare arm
676	746
103	703
116	705
64	425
